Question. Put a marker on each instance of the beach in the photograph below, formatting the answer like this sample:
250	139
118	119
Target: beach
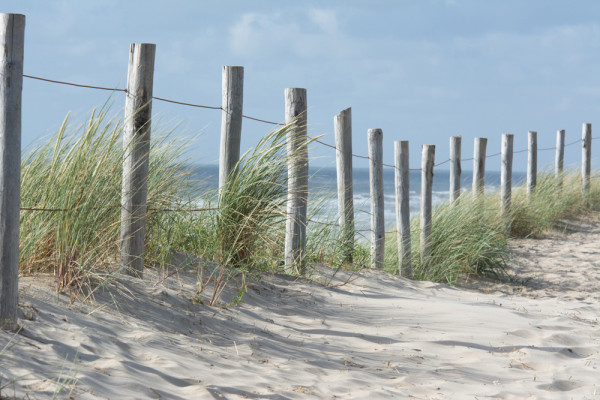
350	335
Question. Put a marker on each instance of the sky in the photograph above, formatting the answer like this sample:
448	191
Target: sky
421	70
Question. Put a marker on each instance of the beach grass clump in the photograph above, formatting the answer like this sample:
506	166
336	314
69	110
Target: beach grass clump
71	194
242	224
251	205
471	236
551	200
466	238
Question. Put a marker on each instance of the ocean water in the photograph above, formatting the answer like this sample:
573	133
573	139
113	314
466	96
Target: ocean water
323	190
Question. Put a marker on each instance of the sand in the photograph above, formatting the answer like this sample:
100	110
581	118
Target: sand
364	335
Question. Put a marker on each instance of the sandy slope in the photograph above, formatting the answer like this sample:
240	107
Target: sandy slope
376	336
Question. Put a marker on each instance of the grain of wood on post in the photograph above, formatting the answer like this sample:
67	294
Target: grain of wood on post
559	157
231	120
427	162
479	166
136	145
506	177
342	124
295	232
455	167
402	186
375	137
586	157
531	162
12	41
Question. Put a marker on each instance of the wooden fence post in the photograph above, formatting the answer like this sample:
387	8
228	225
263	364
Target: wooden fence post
402	186
427	162
376	185
506	177
531	162
455	169
479	166
136	145
559	157
586	157
342	123
295	232
231	120
12	41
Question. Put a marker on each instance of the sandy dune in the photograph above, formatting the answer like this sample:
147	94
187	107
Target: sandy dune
367	335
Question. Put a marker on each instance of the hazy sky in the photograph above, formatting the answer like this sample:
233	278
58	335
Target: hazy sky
421	70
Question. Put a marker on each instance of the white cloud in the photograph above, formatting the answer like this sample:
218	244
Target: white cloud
326	19
311	34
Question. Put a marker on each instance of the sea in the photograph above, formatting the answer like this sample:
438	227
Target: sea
323	190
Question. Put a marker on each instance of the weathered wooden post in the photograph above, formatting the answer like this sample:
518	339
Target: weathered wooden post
295	232
427	162
136	145
479	166
506	177
455	170
531	162
375	137
402	186
231	120
559	157
586	157
12	41
342	124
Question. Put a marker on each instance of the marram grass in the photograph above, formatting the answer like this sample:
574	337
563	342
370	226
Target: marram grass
470	237
72	186
466	238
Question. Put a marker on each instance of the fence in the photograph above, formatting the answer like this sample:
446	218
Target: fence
137	133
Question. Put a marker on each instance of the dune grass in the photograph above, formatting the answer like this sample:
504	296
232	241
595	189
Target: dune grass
550	202
466	238
470	237
71	192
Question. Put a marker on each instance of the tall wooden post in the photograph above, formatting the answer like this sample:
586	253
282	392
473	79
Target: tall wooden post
559	157
506	177
455	169
342	124
402	186
375	137
231	120
427	162
295	232
586	157
479	166
136	144
12	41
531	162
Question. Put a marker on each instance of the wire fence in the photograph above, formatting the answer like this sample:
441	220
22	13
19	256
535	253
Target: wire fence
272	122
258	120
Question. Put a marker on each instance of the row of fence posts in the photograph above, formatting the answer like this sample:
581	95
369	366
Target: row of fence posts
479	157
136	145
136	142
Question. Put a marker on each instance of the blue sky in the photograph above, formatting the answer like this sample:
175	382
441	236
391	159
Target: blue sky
420	70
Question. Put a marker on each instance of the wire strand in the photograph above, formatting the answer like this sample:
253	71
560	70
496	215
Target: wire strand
186	104
75	84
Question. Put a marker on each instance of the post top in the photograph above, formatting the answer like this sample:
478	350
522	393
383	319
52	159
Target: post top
143	44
